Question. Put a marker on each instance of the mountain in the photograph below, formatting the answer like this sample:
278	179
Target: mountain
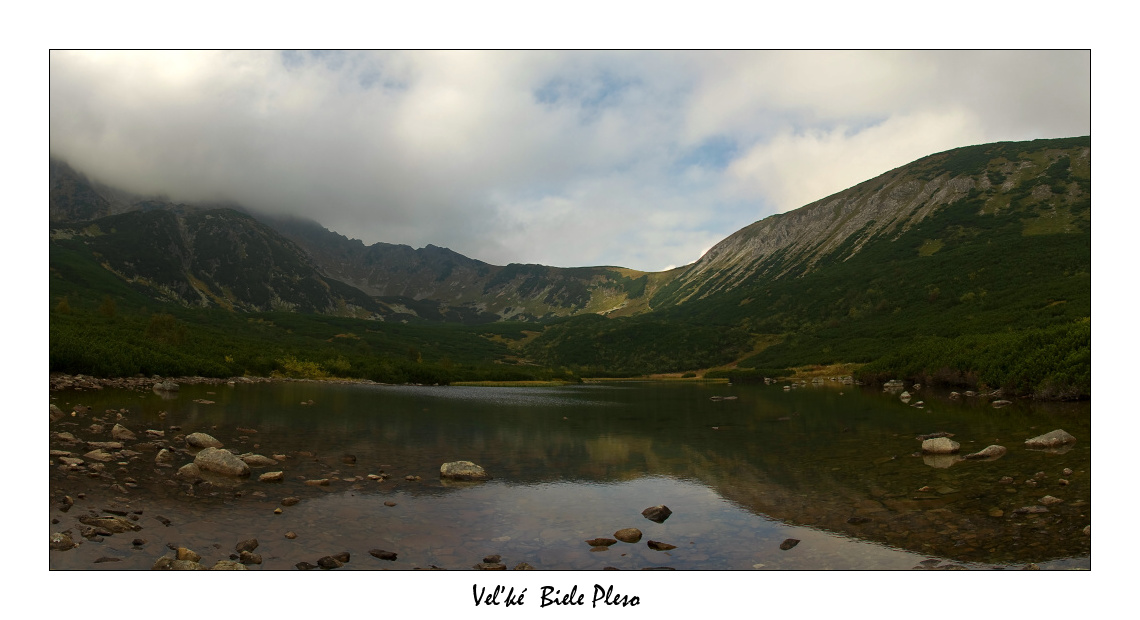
971	266
438	284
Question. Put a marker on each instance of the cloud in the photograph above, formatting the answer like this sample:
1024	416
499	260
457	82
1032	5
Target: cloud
632	158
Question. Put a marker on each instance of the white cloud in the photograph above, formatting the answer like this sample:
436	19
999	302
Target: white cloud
635	159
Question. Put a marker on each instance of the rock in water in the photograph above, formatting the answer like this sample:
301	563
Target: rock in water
989	452
272	476
657	514
165	386
202	440
660	546
189	471
601	542
257	460
383	555
628	535
62	541
228	565
221	462
940	445
789	543
121	433
55	414
246	545
1052	439
462	470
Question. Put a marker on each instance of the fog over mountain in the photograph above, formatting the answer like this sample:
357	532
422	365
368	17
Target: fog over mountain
642	160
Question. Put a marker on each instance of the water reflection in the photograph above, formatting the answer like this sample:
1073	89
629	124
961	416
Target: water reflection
836	470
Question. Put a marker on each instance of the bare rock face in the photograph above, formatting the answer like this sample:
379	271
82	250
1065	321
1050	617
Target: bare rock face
202	440
1052	439
462	470
221	462
940	445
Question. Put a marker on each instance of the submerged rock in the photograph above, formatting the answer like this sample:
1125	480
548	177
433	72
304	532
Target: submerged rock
601	542
462	470
660	546
221	462
1052	439
789	543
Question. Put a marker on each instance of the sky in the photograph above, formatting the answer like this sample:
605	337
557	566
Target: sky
635	159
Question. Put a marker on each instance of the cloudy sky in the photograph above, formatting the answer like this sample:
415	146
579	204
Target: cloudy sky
637	159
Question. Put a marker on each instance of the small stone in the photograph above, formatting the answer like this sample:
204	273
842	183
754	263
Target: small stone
305	566
940	445
389	504
1049	500
660	546
628	535
1067	472
462	470
523	566
1063	482
290	501
106	559
290	535
272	476
277	511
188	555
858	520
62	541
490	566
492	559
601	542
246	545
321	482
383	555
121	433
789	543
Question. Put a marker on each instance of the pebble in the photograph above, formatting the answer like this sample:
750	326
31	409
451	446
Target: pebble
383	555
660	546
789	543
290	501
601	542
290	535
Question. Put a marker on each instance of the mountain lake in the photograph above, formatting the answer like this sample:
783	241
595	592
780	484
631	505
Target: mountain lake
816	477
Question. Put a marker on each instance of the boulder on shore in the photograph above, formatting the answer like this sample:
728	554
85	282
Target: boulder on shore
221	462
462	470
1052	439
940	445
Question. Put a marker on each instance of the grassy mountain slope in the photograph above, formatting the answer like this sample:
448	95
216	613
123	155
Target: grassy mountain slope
993	245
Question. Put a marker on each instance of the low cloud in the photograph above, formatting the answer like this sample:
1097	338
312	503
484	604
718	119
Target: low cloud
634	159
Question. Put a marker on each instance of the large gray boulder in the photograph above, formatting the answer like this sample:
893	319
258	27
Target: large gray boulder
202	440
1052	439
221	462
462	470
940	445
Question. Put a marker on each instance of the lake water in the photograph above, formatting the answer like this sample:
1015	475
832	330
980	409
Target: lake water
831	466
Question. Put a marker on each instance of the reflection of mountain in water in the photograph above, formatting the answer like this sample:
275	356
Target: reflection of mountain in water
810	457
